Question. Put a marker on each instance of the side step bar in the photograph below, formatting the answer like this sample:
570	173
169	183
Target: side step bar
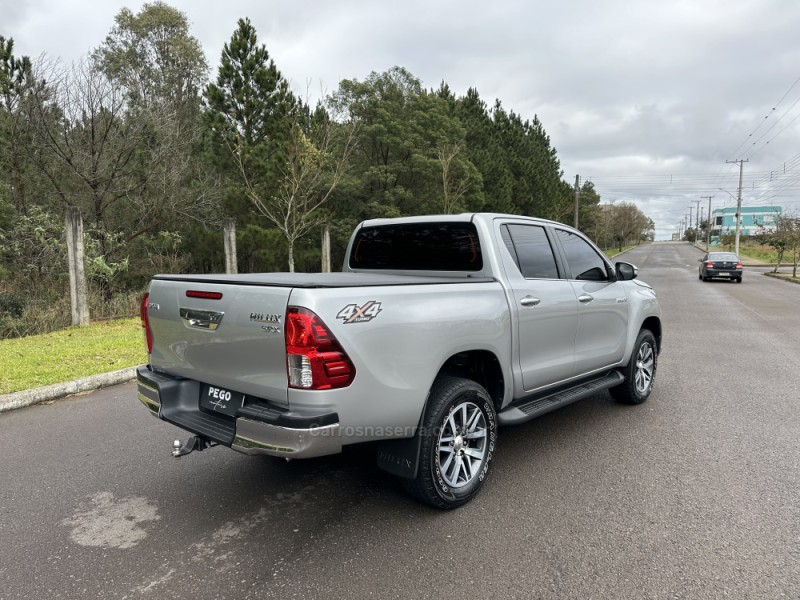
531	407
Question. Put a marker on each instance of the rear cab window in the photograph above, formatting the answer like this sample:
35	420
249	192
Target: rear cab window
417	247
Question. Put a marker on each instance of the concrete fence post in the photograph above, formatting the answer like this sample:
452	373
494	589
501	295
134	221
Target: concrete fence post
78	288
326	248
230	247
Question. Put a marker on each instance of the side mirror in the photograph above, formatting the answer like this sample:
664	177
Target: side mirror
626	271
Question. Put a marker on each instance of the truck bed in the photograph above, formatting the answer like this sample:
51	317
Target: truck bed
323	280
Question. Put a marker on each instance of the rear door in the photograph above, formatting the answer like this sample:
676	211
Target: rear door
544	304
227	335
602	304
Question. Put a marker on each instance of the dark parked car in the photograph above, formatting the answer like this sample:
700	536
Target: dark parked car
725	265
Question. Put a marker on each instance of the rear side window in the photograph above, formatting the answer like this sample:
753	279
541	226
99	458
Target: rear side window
418	247
531	250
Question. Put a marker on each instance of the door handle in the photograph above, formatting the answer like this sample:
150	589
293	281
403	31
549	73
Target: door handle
585	298
529	301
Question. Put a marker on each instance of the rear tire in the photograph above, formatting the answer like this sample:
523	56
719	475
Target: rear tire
640	372
738	280
459	436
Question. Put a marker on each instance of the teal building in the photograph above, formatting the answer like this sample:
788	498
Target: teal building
753	220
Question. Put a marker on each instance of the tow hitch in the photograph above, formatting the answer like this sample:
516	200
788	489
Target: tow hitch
192	444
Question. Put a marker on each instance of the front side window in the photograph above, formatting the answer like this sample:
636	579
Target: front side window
584	262
531	249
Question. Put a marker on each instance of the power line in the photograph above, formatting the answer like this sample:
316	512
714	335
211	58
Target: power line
764	120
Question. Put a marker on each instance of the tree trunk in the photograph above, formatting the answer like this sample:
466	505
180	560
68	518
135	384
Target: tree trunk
77	271
291	256
780	258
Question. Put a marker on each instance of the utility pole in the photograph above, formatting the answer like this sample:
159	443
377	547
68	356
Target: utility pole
740	162
691	208
708	225
577	197
697	212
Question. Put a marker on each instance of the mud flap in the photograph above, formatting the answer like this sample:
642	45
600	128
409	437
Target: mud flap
400	457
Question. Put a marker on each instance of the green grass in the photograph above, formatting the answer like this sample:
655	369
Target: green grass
614	251
762	253
758	252
71	353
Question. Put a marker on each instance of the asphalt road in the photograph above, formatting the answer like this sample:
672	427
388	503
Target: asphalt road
695	494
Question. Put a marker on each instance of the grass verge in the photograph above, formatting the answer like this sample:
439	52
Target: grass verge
69	354
784	276
614	251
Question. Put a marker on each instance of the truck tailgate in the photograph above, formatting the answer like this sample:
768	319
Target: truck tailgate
224	334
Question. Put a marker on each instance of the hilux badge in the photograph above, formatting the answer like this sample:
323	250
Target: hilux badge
264	318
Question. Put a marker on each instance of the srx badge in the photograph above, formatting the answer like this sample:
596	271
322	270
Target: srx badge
353	313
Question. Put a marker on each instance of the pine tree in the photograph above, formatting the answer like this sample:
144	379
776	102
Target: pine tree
250	108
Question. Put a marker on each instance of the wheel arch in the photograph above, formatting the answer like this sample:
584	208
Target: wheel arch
481	366
654	325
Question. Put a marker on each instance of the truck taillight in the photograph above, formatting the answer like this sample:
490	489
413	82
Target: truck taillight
314	358
146	323
739	265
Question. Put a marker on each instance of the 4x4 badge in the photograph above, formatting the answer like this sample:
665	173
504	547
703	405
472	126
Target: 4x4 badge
353	313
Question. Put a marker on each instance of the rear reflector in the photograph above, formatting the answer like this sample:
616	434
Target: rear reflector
205	295
148	334
314	358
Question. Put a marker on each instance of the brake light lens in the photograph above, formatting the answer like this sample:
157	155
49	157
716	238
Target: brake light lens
203	294
710	264
739	265
314	358
148	334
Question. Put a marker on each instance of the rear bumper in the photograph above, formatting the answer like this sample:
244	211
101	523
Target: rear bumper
257	428
724	273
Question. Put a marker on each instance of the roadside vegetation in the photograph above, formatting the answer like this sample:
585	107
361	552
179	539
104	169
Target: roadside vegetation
778	245
615	251
69	354
160	156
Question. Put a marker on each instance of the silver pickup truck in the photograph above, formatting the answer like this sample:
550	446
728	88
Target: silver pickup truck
439	330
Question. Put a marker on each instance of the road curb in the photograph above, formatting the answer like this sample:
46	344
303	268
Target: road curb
59	390
778	276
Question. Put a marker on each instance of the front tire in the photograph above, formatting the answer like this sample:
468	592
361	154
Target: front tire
640	372
459	436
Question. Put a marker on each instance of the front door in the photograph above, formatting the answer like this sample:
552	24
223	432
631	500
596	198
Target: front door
602	305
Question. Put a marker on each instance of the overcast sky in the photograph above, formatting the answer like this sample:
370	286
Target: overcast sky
647	99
